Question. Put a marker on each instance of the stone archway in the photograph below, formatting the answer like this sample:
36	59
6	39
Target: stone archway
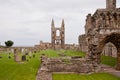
115	39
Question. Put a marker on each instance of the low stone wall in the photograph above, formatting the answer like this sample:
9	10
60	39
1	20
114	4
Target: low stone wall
65	64
79	65
44	75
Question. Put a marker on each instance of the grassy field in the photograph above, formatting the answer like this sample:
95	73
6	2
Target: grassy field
111	61
52	53
95	76
11	70
72	53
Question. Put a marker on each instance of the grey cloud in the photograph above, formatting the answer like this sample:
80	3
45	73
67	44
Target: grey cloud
29	21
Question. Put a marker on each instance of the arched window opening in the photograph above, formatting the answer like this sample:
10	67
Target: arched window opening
57	33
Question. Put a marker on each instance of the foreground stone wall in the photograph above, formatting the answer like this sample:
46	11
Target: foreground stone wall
65	64
44	75
70	65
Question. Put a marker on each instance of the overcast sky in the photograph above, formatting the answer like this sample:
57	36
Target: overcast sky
26	22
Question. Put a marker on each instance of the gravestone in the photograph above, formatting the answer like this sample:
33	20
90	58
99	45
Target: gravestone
35	51
0	57
16	56
30	54
33	55
26	53
23	58
9	57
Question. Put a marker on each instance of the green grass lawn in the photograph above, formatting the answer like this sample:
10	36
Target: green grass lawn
11	70
111	61
95	76
72	53
50	53
53	53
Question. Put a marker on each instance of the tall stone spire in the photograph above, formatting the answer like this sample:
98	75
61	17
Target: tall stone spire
63	24
52	24
110	4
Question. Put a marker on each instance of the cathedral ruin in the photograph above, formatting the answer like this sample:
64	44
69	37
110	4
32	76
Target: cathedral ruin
57	39
57	36
102	29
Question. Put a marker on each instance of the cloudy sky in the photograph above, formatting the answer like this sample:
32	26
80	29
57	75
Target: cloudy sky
26	22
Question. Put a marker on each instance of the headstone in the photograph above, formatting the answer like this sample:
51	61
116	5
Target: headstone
17	58
27	60
30	54
34	51
9	57
26	53
0	57
29	57
23	58
33	55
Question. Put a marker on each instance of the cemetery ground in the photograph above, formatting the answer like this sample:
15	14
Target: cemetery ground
27	70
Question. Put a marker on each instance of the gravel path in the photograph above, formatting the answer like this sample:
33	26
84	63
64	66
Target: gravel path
110	70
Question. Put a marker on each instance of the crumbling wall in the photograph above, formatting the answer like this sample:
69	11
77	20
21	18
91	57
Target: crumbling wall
65	64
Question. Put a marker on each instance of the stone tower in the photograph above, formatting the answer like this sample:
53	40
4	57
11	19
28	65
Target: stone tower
110	4
58	36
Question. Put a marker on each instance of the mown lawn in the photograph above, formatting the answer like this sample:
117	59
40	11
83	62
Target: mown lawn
11	70
50	53
95	76
107	60
53	53
73	53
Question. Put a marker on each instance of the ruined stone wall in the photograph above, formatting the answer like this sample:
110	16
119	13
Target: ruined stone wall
19	49
74	64
65	64
71	47
3	49
102	23
45	45
58	36
83	46
37	47
110	4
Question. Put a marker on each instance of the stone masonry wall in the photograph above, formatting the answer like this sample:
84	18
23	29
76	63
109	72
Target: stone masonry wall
70	65
65	64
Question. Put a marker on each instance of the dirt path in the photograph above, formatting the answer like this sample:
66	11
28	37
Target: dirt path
110	70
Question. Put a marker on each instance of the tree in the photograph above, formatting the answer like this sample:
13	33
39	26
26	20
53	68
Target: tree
9	43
